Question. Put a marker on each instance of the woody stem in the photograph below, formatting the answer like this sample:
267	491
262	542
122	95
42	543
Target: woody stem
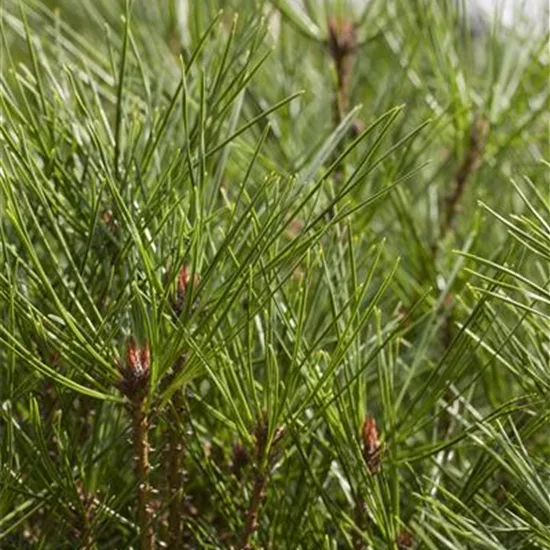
141	454
258	495
175	450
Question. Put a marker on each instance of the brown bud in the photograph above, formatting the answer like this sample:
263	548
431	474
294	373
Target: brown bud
342	38
260	434
342	44
184	280
240	460
371	445
404	539
135	371
108	218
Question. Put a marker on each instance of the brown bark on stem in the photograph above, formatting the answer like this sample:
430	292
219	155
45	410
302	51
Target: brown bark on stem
451	207
258	495
141	450
134	384
469	165
261	475
342	45
175	486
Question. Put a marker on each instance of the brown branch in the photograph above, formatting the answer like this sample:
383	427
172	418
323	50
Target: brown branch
451	207
372	455
266	454
175	485
342	45
372	448
258	496
260	482
184	285
141	450
134	384
472	159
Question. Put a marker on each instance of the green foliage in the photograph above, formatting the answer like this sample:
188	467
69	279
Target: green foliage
298	275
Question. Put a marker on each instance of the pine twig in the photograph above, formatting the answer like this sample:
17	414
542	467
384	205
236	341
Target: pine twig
260	483
175	446
265	456
372	454
175	485
342	45
372	448
472	159
134	385
258	496
451	206
141	449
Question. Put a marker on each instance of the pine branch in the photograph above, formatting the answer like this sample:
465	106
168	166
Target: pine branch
134	386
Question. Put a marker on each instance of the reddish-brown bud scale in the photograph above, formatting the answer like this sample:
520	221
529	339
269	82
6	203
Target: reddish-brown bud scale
260	434
182	287
135	372
371	445
135	377
342	37
342	44
108	218
240	460
404	540
184	278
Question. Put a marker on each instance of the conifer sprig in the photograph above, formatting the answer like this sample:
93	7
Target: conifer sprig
273	276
